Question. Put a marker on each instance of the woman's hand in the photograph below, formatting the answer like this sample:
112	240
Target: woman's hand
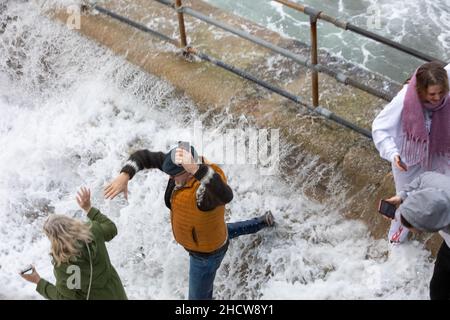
84	199
120	184
395	200
400	164
33	277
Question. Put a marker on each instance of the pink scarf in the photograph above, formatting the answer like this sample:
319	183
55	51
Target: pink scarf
418	146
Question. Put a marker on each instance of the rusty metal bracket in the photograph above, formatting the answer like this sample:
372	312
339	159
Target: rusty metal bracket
180	8
188	51
87	7
313	13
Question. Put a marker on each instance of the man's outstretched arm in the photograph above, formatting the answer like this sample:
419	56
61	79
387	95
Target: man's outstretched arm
142	159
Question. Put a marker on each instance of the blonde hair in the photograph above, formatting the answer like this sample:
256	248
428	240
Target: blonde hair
67	236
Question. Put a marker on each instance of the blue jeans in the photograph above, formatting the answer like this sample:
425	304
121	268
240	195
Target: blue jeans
203	267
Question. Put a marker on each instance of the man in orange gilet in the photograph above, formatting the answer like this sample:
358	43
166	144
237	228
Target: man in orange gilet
196	196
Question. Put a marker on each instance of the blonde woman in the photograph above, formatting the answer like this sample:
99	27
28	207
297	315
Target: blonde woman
81	263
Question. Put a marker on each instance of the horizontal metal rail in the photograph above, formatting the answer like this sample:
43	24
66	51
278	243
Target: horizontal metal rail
134	24
324	112
351	27
284	52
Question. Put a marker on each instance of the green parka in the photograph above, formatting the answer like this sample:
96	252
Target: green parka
72	279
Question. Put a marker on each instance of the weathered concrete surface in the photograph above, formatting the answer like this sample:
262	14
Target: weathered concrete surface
365	178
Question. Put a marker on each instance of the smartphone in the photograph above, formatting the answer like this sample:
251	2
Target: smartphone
184	145
387	209
403	165
27	270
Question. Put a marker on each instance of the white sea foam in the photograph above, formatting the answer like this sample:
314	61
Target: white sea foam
71	119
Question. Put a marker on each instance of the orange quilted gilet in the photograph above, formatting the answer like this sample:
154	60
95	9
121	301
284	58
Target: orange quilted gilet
195	230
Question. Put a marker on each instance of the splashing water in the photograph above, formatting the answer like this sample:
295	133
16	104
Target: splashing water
72	112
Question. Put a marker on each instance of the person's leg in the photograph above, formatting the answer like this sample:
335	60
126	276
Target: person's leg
398	233
440	282
202	272
240	228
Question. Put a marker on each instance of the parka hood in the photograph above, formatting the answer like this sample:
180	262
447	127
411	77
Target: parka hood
427	209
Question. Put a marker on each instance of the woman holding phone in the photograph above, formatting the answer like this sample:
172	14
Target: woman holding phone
81	262
413	131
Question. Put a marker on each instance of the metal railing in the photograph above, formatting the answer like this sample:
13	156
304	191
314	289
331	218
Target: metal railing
312	65
324	112
315	14
340	77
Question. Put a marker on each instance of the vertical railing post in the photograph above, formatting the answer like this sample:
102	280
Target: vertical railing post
314	61
183	41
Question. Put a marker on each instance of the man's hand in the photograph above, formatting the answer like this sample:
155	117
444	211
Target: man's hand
33	277
395	200
184	158
400	164
84	199
120	184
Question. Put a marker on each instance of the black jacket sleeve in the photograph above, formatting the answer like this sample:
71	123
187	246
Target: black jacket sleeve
143	159
213	191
